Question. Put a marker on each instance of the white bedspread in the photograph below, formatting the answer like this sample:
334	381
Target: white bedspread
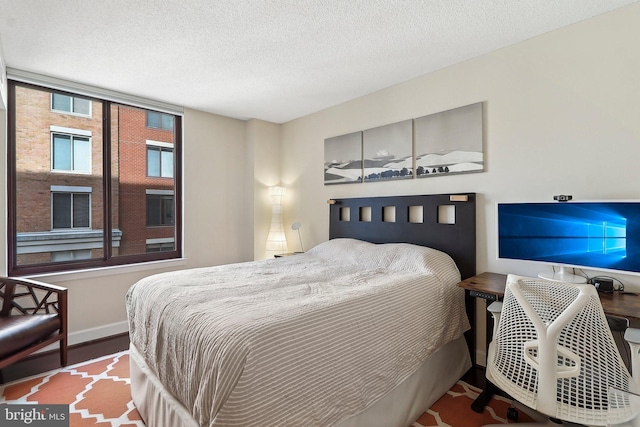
308	339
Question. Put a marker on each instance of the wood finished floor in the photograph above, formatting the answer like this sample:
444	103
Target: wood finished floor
46	361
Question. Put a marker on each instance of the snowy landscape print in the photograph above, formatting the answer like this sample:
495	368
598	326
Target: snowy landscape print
449	142
388	152
343	159
445	143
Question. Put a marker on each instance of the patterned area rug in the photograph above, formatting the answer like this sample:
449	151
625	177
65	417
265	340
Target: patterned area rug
454	410
98	394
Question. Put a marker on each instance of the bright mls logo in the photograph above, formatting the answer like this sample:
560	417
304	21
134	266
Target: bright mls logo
34	415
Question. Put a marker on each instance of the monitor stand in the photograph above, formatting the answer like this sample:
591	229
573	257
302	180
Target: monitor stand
563	274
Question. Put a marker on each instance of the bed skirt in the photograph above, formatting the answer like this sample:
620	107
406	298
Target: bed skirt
399	408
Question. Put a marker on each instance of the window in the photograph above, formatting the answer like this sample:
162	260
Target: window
159	120
159	161
77	189
160	209
70	210
159	245
70	255
70	104
70	153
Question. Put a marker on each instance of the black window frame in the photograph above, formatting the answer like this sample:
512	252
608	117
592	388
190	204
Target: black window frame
108	259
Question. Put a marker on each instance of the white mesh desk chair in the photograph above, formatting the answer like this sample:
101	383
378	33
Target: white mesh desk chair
553	351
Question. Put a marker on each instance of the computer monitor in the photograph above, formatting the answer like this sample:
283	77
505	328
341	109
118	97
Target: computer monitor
590	235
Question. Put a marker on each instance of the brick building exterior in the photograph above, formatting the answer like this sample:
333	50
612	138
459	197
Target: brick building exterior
134	140
59	168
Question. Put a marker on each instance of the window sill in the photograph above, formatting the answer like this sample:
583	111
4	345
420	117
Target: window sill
109	271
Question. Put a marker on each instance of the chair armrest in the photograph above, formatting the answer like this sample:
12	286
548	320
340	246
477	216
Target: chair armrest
33	284
495	308
632	336
10	293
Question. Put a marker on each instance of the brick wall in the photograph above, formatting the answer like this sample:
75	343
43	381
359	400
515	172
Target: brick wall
133	136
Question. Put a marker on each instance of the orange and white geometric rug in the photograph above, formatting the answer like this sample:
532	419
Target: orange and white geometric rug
98	393
453	409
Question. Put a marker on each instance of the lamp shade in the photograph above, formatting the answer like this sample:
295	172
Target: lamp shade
276	240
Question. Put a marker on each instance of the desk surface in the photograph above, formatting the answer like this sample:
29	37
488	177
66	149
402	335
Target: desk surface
614	304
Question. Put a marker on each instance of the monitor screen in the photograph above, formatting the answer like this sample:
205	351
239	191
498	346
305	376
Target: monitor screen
592	235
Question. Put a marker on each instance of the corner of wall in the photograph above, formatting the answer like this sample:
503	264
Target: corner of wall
3	80
3	150
264	141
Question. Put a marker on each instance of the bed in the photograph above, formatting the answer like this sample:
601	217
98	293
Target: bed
357	331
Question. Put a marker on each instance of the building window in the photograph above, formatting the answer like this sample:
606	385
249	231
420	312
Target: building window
160	208
159	120
70	210
160	245
70	104
70	255
70	153
76	197
159	161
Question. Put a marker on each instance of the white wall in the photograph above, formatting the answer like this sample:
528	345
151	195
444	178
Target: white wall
218	224
218	211
562	116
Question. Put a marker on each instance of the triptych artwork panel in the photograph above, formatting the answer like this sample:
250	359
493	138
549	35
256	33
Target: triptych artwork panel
445	143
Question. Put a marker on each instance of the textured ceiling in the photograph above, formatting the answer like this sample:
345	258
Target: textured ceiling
274	60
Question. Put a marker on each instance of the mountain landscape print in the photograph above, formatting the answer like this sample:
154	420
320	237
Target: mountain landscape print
343	159
445	143
388	152
449	142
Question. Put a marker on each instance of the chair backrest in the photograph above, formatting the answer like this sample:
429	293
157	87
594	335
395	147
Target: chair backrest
554	352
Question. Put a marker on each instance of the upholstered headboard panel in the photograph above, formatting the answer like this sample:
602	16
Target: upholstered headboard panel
446	222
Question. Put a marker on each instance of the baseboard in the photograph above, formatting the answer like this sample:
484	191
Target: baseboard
91	334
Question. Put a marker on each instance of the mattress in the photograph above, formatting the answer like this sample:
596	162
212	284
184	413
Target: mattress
319	336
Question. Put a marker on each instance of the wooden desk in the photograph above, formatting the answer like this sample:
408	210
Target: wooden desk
490	287
618	304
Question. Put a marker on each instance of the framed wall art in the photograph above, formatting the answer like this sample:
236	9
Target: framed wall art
388	152
445	143
343	159
449	142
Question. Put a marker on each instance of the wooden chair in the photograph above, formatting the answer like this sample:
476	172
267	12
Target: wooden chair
33	315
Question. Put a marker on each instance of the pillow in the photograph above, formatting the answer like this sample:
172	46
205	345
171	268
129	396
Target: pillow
341	250
393	256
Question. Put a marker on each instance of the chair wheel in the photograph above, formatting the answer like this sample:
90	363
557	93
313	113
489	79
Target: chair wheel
512	414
